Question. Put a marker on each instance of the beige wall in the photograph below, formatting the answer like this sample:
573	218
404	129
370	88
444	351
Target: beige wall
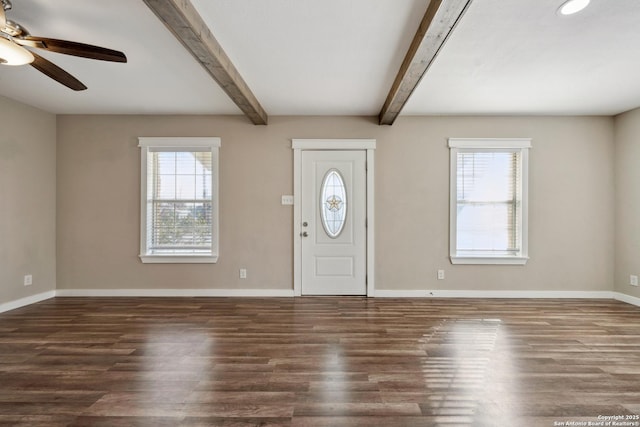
571	220
627	204
570	217
27	200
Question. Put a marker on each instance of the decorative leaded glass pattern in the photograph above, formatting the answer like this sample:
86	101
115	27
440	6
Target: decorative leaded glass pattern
333	203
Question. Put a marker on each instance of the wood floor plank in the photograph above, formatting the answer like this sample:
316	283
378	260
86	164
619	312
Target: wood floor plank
235	422
317	362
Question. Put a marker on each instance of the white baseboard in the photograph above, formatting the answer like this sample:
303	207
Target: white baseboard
174	293
627	298
12	305
381	293
493	294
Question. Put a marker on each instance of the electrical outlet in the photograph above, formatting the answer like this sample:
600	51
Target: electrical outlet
243	273
440	274
28	280
633	280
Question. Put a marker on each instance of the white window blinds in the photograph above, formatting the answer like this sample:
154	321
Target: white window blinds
488	209
179	203
179	211
488	202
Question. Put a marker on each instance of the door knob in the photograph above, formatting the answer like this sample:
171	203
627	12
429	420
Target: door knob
304	234
304	224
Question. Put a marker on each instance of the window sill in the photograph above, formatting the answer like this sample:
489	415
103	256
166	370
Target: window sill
179	259
489	260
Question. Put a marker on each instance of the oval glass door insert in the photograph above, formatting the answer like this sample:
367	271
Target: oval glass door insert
333	203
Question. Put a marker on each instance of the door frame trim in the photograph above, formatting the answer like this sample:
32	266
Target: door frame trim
300	145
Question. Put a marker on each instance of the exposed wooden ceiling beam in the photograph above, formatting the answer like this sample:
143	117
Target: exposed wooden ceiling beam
437	24
187	25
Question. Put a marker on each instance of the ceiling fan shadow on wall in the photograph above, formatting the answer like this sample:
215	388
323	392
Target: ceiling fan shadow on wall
14	39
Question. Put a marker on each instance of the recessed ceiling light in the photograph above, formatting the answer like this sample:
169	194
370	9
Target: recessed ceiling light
572	6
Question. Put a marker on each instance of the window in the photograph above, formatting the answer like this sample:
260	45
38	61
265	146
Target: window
179	200
488	201
333	208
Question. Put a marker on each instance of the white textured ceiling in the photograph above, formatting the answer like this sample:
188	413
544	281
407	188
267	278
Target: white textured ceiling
521	57
159	77
337	57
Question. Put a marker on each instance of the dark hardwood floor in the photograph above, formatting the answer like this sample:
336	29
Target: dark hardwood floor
319	362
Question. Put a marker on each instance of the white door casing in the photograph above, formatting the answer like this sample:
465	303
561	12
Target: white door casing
333	260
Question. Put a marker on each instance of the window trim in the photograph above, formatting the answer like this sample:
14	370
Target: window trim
457	145
180	144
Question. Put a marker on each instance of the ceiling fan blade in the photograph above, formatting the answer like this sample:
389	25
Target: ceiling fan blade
3	17
30	43
76	49
56	73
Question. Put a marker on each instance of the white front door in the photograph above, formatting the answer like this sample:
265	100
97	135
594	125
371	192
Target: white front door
333	222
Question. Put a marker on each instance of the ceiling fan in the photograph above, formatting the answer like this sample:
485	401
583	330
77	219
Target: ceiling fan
14	38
